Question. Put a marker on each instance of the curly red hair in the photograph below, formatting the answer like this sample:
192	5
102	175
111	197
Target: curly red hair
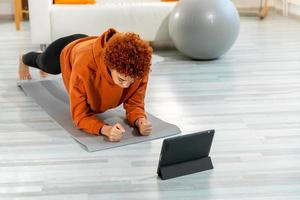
128	54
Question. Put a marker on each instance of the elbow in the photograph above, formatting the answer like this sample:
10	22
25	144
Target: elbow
77	124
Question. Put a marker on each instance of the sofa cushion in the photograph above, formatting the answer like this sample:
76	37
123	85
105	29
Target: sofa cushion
74	1
150	20
125	1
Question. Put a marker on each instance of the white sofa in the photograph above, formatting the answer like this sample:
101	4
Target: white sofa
149	18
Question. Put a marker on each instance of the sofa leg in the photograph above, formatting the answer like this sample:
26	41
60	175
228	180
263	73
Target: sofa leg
43	47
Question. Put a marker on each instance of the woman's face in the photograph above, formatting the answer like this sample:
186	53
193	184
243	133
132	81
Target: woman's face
120	79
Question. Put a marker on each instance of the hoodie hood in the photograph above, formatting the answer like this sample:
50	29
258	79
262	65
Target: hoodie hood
98	48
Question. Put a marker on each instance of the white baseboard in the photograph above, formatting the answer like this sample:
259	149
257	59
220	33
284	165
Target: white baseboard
7	17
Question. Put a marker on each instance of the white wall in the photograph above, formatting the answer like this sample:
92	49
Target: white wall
256	3
246	3
277	4
294	8
6	7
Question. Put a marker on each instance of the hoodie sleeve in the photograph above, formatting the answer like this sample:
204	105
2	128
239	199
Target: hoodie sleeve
134	105
83	117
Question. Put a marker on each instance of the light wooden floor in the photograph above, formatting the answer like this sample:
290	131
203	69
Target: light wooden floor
251	96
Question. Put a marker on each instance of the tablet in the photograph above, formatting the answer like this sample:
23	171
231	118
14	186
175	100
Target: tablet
185	149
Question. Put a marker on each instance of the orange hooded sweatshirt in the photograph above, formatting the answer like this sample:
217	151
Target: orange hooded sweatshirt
91	88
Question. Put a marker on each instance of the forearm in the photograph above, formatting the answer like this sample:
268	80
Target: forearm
89	124
104	129
133	117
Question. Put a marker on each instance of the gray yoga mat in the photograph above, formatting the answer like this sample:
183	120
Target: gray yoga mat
52	97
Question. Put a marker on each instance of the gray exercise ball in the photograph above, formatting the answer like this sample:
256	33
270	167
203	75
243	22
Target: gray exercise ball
204	29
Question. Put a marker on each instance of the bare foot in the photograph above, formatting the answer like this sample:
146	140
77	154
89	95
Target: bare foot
24	73
43	74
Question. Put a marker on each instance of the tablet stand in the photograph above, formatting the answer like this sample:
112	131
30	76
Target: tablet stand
185	168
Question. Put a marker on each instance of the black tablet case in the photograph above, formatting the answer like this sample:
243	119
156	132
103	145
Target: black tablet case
185	154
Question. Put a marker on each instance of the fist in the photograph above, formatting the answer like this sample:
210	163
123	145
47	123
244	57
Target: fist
113	133
144	126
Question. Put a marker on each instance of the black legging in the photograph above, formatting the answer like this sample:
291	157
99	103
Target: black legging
48	61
